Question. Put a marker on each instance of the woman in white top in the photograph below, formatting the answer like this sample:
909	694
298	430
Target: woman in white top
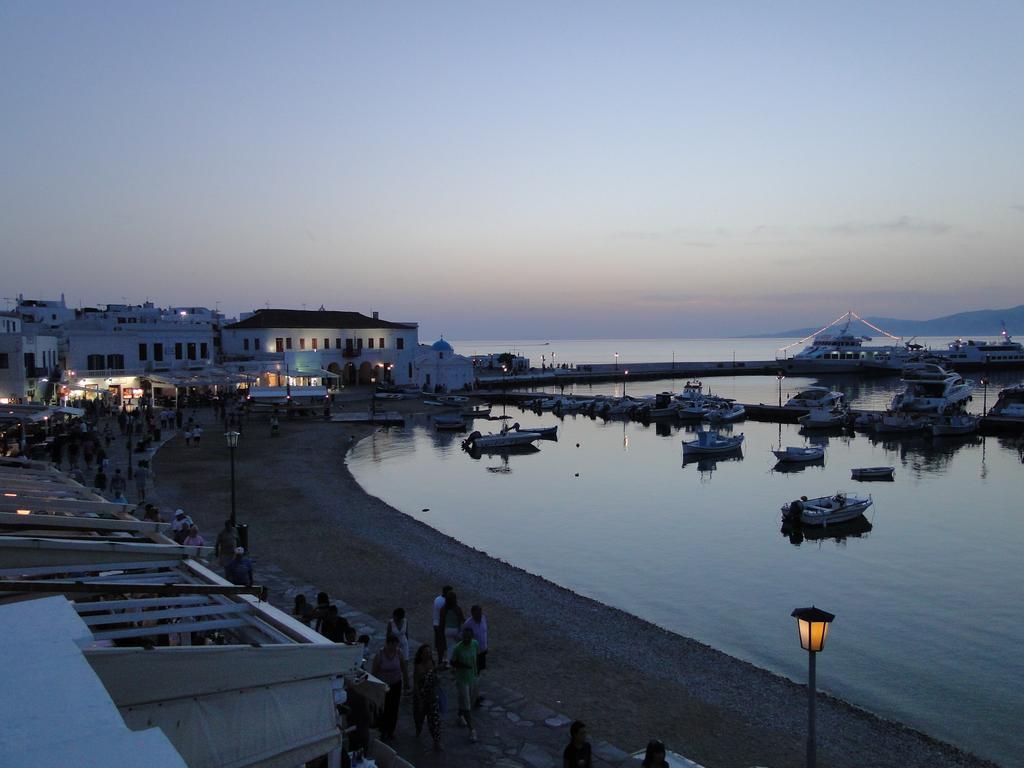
399	627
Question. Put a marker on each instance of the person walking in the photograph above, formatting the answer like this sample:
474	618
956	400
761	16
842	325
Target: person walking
577	753
398	626
118	483
142	475
426	695
452	620
101	480
464	661
654	757
477	624
224	547
194	538
440	646
239	570
390	667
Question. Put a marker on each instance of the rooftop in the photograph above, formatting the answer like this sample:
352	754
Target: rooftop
318	318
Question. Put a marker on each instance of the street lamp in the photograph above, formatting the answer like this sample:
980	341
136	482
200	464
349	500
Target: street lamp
624	375
812	624
780	376
373	398
616	361
984	396
232	438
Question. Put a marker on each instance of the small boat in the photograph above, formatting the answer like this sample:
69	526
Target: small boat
481	412
726	412
544	432
663	407
957	424
452	399
823	418
901	422
709	441
793	453
825	510
506	438
872	473
388	396
450	423
692	390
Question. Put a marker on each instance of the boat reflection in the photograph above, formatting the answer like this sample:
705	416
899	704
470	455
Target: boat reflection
840	532
788	467
708	464
476	452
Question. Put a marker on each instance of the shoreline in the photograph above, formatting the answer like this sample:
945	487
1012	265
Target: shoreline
712	707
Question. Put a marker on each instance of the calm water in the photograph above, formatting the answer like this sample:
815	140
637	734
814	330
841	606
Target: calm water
928	601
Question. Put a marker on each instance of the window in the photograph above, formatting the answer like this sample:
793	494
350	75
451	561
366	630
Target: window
359	343
380	342
337	344
348	345
158	352
369	342
245	345
400	343
178	347
30	363
256	344
203	350
191	350
327	343
4	360
142	353
115	362
95	362
313	341
288	343
302	343
121	321
279	344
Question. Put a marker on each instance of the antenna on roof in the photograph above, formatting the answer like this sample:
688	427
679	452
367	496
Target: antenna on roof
322	309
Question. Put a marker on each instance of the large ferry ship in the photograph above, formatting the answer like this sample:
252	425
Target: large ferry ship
971	353
843	351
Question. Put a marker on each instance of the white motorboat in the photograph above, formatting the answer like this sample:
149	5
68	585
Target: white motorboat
956	424
692	390
823	418
543	432
872	473
900	422
930	388
726	412
816	397
799	453
1010	404
709	442
825	510
506	438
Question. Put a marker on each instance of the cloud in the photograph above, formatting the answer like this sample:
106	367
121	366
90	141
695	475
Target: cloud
1018	208
902	225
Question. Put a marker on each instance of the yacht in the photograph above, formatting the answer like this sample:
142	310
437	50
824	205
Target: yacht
816	397
844	351
930	388
1010	404
971	353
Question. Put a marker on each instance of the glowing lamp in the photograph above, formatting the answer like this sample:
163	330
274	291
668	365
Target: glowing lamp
24	511
812	624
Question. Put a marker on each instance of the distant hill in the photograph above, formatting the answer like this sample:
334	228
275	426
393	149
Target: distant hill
983	323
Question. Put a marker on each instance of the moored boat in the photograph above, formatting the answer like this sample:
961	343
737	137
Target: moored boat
709	442
816	397
823	418
799	453
450	423
544	432
726	412
956	424
872	473
507	437
825	510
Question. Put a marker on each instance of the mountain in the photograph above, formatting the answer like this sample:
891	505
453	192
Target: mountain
982	323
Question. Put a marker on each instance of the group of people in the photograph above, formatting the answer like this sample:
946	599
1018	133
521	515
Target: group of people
578	753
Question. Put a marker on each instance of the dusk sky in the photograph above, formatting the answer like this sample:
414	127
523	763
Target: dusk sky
545	170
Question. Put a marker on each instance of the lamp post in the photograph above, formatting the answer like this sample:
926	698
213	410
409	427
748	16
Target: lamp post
625	375
984	396
616	361
232	438
812	625
780	376
373	398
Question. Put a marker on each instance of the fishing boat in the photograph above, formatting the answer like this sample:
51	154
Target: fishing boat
692	390
506	438
662	407
823	418
726	412
799	453
872	473
710	442
825	510
816	397
956	424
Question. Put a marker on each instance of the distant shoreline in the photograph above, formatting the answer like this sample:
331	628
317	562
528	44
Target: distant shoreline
310	517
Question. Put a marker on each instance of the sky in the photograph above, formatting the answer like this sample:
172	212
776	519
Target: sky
511	170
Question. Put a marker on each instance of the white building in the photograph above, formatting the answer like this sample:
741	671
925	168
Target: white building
29	361
320	346
438	369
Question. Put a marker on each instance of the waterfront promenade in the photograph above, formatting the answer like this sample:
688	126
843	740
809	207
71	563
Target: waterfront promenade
628	679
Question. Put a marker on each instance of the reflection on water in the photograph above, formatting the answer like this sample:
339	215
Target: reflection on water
838	533
608	511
